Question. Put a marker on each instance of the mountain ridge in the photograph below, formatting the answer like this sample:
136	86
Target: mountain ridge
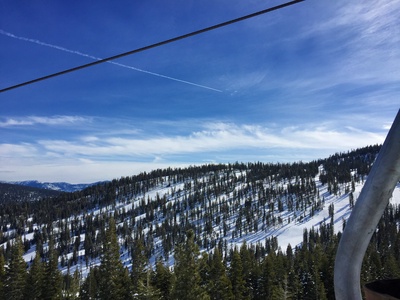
19	193
55	186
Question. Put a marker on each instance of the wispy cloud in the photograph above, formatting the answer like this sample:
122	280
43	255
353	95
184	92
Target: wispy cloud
95	156
216	137
350	50
366	41
8	151
37	120
98	58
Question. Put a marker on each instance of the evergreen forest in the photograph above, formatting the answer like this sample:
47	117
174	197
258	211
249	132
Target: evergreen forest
201	232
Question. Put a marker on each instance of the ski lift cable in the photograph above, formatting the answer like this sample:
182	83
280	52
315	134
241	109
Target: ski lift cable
184	36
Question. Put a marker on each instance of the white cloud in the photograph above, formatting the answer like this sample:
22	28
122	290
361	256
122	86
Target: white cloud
8	151
387	126
76	170
49	121
13	122
352	52
368	47
95	158
216	137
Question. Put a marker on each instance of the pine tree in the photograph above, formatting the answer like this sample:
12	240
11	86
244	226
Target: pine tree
2	275
269	278
88	244
148	291
52	287
16	273
318	283
248	269
35	279
204	271
163	280
71	285
294	289
188	279
114	280
391	268
236	277
220	285
139	268
90	287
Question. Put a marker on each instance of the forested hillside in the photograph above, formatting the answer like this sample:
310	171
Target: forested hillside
16	193
226	231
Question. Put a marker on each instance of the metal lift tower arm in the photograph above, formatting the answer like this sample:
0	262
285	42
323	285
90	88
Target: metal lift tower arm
371	203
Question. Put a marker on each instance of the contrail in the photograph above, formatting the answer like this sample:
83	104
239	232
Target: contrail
98	58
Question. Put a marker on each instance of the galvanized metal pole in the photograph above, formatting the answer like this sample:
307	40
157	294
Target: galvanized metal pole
371	203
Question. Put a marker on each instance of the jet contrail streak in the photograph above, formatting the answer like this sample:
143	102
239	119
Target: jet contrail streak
98	58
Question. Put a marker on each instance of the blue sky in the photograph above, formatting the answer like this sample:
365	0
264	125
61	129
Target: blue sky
300	83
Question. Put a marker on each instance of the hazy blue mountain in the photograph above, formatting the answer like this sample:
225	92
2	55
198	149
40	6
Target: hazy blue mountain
55	186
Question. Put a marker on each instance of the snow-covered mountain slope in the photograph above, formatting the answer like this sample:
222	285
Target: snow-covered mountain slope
288	231
293	233
225	206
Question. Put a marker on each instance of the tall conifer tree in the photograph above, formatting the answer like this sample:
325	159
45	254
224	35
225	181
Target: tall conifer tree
90	287
35	280
114	280
139	267
52	287
163	280
236	277
204	270
2	275
16	273
220	285
188	279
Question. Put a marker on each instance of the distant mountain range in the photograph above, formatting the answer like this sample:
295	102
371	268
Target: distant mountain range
54	186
